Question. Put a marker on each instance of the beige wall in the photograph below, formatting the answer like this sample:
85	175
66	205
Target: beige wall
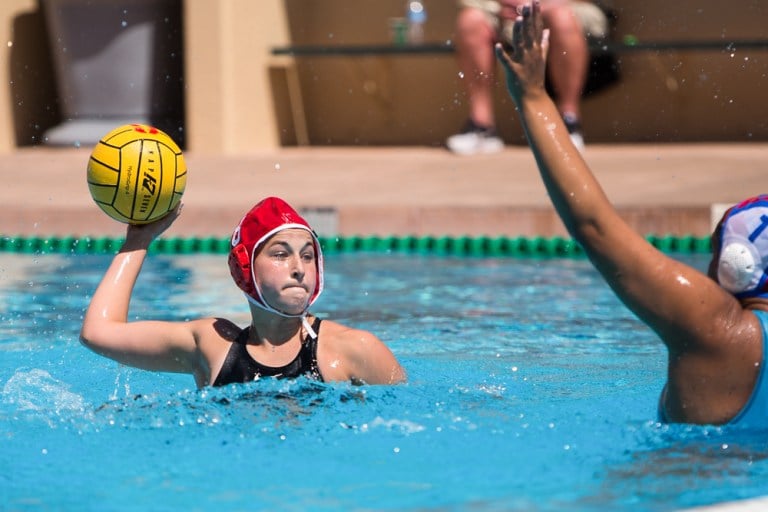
672	96
229	103
239	98
228	100
27	97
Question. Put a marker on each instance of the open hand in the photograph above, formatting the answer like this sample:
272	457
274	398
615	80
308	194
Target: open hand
525	61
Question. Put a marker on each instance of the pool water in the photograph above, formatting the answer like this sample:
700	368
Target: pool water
530	388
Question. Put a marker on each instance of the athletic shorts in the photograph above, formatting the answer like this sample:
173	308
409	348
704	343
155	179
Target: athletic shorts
593	20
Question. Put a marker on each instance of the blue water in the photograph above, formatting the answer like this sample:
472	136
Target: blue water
530	388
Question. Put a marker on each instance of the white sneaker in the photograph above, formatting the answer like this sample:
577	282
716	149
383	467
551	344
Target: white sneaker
574	130
578	141
475	140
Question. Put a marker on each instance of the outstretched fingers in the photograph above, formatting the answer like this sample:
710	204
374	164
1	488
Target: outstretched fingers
528	30
524	60
528	35
537	23
545	42
525	26
502	55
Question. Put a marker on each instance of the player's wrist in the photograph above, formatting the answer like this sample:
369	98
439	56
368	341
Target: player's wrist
136	243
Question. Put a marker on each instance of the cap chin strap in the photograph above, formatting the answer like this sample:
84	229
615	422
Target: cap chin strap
302	315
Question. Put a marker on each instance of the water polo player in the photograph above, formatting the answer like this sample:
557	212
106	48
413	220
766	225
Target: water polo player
277	261
714	327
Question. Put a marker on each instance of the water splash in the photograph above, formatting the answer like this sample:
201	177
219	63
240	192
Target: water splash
37	393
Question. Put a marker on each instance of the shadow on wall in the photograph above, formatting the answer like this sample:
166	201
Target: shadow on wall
32	84
106	63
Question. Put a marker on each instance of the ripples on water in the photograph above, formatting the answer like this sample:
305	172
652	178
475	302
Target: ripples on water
530	388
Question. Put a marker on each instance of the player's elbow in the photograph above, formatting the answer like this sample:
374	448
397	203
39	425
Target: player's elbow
86	339
90	336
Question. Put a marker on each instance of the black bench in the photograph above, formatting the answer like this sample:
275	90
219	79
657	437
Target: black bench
362	50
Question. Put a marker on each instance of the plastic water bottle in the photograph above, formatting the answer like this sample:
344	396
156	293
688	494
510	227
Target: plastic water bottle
417	16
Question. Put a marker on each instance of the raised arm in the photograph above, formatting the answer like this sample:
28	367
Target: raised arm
151	345
685	307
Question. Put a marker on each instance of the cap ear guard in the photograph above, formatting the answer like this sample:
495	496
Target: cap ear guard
742	266
240	267
738	268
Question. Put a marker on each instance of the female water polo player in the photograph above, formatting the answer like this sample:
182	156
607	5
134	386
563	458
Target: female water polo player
714	327
276	260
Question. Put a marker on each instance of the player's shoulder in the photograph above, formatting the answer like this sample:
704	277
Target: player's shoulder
210	326
336	332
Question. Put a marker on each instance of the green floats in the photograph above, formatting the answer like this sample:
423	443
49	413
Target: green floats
480	246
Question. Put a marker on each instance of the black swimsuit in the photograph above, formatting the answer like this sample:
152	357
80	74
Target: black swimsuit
239	366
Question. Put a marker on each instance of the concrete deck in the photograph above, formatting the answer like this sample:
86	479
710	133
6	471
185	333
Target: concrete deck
660	189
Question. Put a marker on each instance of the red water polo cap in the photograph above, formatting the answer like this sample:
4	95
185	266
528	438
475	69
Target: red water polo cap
268	217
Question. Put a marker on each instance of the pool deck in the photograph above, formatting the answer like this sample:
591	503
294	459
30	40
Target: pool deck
658	188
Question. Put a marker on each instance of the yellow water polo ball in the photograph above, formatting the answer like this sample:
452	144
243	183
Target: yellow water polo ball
136	174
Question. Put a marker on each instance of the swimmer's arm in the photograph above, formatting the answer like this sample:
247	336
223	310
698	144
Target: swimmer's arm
369	360
682	304
152	345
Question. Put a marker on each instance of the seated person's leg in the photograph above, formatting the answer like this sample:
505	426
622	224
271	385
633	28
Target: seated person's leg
474	50
567	64
475	37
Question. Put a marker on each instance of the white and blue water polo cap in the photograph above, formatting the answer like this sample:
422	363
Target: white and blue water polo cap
743	249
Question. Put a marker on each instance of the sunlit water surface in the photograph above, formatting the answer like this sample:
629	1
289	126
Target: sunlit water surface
530	388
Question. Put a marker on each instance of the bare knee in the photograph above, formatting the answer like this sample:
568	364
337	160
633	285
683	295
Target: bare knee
562	22
473	28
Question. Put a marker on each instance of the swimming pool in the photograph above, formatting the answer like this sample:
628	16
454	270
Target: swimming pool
530	388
